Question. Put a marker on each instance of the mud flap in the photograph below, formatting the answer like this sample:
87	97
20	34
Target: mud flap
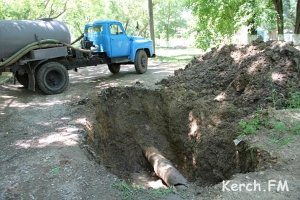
31	78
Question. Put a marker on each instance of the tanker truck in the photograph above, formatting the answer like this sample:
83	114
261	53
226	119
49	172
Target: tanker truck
39	53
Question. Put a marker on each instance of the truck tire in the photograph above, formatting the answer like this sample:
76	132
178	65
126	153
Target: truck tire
114	68
22	79
52	78
141	61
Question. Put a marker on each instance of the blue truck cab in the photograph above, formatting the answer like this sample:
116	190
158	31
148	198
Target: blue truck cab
108	38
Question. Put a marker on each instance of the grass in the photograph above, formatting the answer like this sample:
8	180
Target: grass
250	126
160	193
294	100
181	59
178	56
129	192
275	98
279	126
281	141
296	129
281	134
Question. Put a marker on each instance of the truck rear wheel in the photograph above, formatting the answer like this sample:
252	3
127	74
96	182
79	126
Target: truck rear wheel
52	78
22	79
114	68
141	61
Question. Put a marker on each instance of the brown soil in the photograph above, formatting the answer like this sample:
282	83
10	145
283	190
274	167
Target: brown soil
193	119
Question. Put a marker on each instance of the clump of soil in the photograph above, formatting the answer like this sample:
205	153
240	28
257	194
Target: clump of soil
193	119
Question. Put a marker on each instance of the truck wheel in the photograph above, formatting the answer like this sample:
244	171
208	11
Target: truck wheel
22	79
52	78
141	62
114	68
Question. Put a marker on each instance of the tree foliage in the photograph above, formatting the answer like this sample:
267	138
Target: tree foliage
217	20
133	14
289	14
255	13
220	19
168	18
214	20
81	12
29	9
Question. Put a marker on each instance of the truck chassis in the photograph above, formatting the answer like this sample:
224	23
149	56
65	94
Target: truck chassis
47	68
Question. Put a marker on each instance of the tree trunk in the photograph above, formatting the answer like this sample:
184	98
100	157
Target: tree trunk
297	24
168	23
151	22
279	10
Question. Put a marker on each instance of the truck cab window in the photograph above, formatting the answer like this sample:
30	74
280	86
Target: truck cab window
90	30
115	29
97	29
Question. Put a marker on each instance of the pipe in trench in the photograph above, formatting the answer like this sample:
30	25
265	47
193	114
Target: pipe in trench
165	169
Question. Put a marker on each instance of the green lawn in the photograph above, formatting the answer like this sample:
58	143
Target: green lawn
176	55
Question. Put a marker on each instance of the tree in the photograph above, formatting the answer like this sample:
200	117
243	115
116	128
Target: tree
81	12
254	14
297	23
279	9
289	17
2	9
151	22
168	19
219	20
33	9
215	20
76	13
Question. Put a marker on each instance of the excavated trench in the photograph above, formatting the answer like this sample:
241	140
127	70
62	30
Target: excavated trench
193	119
197	137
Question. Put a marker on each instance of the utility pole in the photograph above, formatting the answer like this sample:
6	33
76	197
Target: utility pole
151	22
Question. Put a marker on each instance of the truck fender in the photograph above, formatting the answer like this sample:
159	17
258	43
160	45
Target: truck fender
135	50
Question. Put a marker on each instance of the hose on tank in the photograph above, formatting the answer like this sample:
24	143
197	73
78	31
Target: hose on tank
37	45
79	38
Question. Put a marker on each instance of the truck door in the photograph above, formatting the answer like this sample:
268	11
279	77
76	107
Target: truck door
120	44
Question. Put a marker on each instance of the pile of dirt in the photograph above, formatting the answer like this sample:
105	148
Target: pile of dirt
193	119
258	74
